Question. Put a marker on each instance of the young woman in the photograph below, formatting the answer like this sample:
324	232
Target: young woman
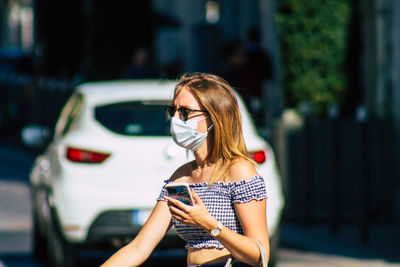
229	211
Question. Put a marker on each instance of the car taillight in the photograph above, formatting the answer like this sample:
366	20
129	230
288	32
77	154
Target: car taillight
85	156
258	156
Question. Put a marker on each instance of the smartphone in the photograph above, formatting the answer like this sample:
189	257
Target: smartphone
180	191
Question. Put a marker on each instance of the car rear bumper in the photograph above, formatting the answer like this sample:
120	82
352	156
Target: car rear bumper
80	210
112	224
117	228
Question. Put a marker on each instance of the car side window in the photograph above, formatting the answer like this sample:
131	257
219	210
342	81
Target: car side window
69	114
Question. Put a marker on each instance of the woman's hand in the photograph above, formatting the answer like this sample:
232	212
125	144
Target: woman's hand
195	215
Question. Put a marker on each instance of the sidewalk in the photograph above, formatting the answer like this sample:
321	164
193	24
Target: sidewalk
15	206
383	244
295	258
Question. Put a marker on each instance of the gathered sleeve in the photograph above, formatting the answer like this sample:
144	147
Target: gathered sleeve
163	192
246	190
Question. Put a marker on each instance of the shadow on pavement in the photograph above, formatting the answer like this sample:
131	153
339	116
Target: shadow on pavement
88	260
382	244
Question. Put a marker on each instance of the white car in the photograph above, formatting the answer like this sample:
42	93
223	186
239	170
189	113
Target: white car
102	172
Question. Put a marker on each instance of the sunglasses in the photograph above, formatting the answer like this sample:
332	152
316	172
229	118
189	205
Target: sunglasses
183	112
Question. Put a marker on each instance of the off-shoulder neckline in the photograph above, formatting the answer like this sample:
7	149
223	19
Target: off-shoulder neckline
222	183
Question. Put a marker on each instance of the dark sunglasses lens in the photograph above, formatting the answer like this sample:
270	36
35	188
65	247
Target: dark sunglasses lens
170	111
184	113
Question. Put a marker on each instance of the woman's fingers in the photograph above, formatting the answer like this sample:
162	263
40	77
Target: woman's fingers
179	214
196	197
177	207
176	211
188	214
177	203
178	218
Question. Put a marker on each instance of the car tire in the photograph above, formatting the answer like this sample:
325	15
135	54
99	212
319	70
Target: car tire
39	242
60	252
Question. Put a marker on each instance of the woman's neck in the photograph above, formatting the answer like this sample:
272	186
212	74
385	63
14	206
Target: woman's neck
203	165
202	170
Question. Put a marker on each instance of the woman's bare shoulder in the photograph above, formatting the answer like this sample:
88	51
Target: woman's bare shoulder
182	173
241	169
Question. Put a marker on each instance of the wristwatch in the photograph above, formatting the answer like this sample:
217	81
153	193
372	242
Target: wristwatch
216	231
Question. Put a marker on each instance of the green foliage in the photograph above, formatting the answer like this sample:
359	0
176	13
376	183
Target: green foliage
313	40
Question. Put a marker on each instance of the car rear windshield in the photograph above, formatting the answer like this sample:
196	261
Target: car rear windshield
134	118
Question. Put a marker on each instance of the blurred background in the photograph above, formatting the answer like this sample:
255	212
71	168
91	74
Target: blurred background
321	79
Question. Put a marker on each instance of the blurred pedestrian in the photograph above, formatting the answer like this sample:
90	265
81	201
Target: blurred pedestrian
234	58
248	67
228	217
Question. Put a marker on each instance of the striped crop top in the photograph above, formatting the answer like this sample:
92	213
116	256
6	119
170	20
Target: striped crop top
218	199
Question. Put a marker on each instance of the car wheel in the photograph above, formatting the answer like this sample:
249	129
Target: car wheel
60	252
39	242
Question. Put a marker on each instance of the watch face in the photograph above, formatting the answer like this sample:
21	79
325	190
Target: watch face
215	232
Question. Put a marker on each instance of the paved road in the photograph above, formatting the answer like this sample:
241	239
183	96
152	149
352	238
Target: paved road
313	246
15	239
298	258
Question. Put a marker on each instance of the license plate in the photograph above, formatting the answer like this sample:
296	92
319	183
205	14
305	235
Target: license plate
139	217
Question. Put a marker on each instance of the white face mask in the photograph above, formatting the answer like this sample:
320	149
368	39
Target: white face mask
185	133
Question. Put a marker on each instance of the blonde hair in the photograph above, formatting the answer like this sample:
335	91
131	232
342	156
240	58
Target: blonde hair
217	97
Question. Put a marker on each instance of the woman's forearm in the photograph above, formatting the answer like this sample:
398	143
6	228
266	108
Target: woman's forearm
241	247
140	248
127	256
